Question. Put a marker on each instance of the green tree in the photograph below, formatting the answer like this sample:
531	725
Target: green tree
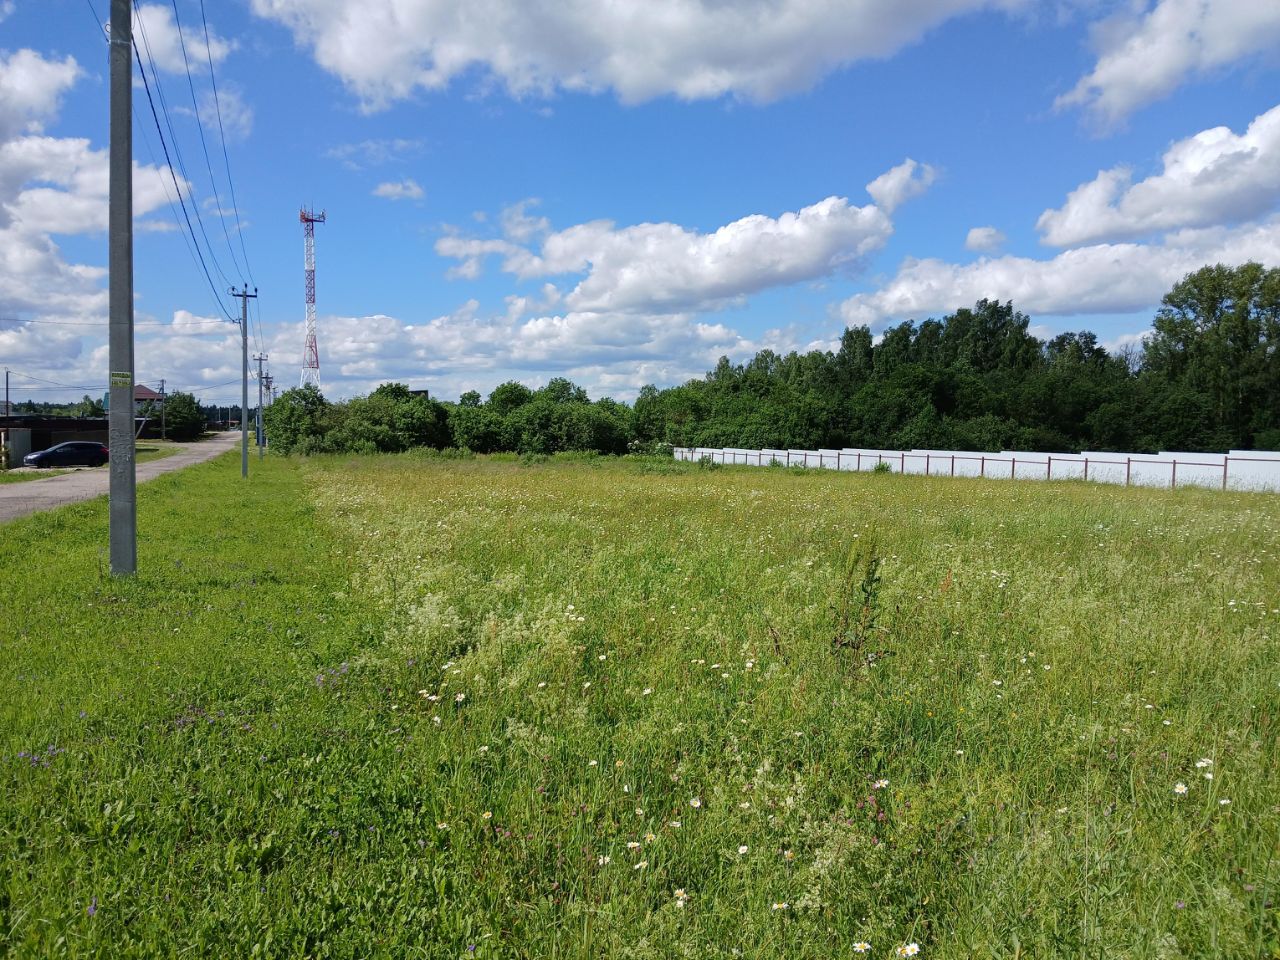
297	421
183	419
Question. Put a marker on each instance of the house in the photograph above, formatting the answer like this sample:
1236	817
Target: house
143	395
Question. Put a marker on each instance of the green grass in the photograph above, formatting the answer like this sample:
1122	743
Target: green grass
21	476
273	755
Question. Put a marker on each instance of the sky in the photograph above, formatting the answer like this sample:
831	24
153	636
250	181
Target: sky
618	193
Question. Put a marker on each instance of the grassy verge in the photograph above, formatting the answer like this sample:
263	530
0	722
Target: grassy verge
600	709
151	729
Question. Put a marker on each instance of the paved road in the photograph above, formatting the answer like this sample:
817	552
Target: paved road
32	496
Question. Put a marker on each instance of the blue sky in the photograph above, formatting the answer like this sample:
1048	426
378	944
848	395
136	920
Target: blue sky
622	193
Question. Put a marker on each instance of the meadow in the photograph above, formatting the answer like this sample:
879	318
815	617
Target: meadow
409	706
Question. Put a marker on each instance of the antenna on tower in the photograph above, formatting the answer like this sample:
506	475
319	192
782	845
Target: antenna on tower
310	352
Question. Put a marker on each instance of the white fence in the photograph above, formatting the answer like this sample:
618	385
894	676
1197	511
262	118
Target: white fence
1256	470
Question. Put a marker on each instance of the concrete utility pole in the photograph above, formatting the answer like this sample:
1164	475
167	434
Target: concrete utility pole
258	418
123	482
245	296
163	400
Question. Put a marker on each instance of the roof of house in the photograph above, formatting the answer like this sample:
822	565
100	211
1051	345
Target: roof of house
141	392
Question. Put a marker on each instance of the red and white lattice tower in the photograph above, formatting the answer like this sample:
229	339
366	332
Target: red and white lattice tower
310	352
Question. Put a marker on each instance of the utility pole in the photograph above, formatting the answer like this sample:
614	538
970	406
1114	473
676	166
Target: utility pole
244	296
8	410
123	482
163	399
258	418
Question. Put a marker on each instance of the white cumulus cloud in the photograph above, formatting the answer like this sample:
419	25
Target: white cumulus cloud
406	189
1103	278
31	87
984	239
158	37
1213	177
760	50
1147	57
668	268
895	187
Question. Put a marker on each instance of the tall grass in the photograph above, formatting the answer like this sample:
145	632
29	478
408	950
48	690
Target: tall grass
507	709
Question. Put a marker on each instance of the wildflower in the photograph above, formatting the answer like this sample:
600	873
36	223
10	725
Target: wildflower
603	861
1148	706
745	805
1180	788
436	720
676	824
879	784
487	815
592	763
618	764
646	691
908	950
442	825
603	656
681	897
542	685
639	811
1203	762
1208	774
1167	723
997	683
633	845
788	855
483	748
423	693
587	684
862	947
780	906
696	802
459	697
1224	802
742	850
641	865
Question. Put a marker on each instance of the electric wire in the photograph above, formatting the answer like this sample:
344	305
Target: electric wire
204	266
222	135
107	323
173	137
204	146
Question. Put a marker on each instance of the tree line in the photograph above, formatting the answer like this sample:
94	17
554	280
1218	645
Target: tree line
1207	377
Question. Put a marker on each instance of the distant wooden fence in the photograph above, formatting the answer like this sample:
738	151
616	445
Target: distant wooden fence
1238	470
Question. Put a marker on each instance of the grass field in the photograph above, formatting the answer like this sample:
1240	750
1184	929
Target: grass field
407	707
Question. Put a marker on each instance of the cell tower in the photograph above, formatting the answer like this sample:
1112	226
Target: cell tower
310	352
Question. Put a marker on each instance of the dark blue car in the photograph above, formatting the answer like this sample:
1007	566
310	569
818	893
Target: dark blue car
73	453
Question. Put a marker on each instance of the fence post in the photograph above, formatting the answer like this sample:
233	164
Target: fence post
902	464
1086	468
982	470
1173	485
1013	468
1128	469
788	458
859	467
838	453
1048	475
1224	472
927	460
953	464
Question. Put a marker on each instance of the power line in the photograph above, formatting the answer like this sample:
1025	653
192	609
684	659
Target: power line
195	106
103	323
147	87
222	135
173	136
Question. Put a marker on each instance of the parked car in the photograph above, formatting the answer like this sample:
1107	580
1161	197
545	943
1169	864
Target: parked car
73	453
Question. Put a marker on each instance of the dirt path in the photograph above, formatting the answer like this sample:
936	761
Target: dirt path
32	496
